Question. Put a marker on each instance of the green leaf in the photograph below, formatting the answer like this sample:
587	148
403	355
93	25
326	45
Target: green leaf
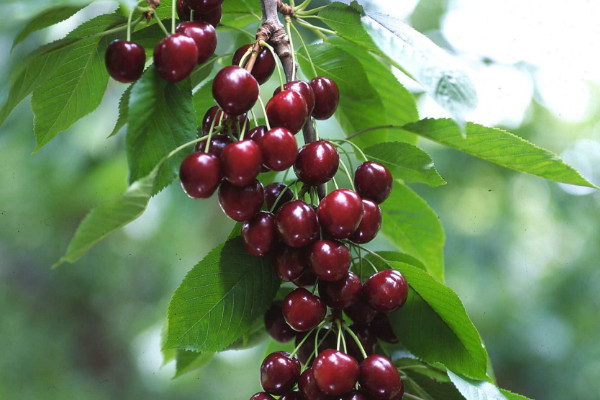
203	100
430	389
255	336
97	25
220	298
161	117
500	147
241	13
414	228
346	21
475	390
123	111
188	361
513	396
406	162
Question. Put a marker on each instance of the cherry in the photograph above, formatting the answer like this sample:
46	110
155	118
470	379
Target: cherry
292	396
279	373
287	109
279	149
241	203
259	235
369	225
342	293
297	224
200	175
257	133
373	181
309	388
327	97
203	34
366	338
303	310
125	61
304	89
340	213
235	90
353	395
317	162
260	395
306	279
335	372
289	263
360	312
263	67
216	146
175	57
273	194
231	124
213	17
276	326
241	162
329	260
382	328
203	6
379	378
386	291
326	340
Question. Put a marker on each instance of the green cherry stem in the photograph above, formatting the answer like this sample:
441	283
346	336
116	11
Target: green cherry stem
312	64
357	341
173	5
356	147
288	24
343	164
262	105
301	343
279	68
159	22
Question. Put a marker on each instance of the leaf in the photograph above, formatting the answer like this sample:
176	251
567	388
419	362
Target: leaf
97	25
123	111
513	396
475	390
255	335
430	389
203	100
406	162
414	228
220	298
188	361
500	147
241	13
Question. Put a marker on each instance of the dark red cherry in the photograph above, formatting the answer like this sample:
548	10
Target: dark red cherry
297	224
327	97
373	181
304	89
260	395
204	36
277	193
203	6
309	388
382	328
292	396
279	149
340	213
342	293
369	225
306	279
336	373
241	203
217	144
303	310
366	338
289	263
241	162
175	57
329	260
327	340
125	61
317	162
213	17
386	291
379	378
353	395
259	235
264	65
257	133
279	373
231	125
235	90
200	175
276	326
360	312
288	110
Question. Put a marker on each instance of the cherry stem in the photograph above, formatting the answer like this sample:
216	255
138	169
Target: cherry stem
343	151
254	117
302	6
129	24
288	23
335	183
301	343
343	164
357	341
191	13
210	132
159	22
356	147
280	196
245	57
173	4
312	64
262	105
281	80
301	12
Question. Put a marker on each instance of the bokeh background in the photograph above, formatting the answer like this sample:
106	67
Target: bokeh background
521	252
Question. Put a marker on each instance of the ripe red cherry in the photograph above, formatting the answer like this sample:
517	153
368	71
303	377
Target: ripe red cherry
329	260
309	388
279	149
382	328
279	373
203	6
306	279
241	203
213	17
379	378
200	175
263	67
276	326
277	193
327	97
287	109
216	146
327	340
231	125
366	338
175	57
259	235
257	133
317	162
260	395
373	181
235	90
125	61
203	34
386	291
241	162
360	312
369	225
353	395
304	89
303	310
289	263
297	224
340	213
342	293
336	373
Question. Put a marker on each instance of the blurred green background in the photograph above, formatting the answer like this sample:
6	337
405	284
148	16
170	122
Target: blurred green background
522	253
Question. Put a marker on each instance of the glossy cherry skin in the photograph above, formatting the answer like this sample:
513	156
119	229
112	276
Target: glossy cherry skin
369	225
203	6
216	146
288	110
327	340
241	162
367	339
279	373
386	291
303	310
353	395
340	213
336	373
203	34
259	235
373	181
279	149
263	67
382	328
276	326
235	90
306	279
309	388
241	203
200	175
341	293
289	263
304	89
125	61
327	97
329	260
317	162
360	312
213	17
260	395
277	194
297	224
214	118
175	57
379	378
